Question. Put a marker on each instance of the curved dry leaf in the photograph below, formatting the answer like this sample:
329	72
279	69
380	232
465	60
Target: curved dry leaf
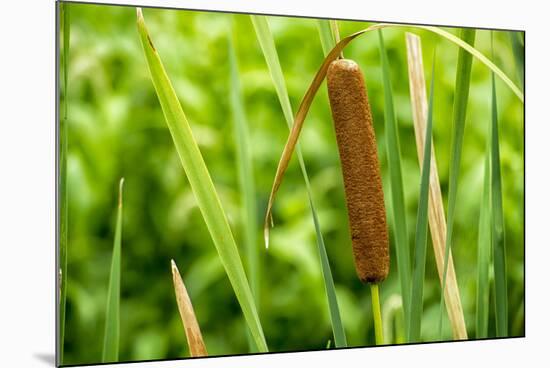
318	80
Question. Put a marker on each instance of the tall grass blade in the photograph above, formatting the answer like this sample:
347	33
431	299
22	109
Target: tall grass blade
436	212
421	239
499	246
518	50
112	312
65	26
187	314
201	184
340	340
484	249
267	44
249	225
462	90
396	185
326	35
245	169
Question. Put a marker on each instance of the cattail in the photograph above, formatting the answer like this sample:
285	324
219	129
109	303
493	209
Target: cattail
360	169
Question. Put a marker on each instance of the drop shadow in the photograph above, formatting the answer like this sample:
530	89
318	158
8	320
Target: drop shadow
47	358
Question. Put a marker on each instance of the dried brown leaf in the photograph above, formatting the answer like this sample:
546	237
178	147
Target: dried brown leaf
187	314
436	214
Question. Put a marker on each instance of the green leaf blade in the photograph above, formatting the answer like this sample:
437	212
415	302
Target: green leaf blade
421	239
245	169
247	188
499	247
396	185
202	185
267	44
340	340
112	312
462	90
484	250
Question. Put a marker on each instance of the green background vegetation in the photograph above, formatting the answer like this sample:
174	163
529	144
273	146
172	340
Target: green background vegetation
117	129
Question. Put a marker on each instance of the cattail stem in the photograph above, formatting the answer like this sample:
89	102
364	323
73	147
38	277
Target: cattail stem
377	315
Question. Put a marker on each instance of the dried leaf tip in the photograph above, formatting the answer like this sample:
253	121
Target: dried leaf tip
266	237
139	14
187	314
267	224
175	270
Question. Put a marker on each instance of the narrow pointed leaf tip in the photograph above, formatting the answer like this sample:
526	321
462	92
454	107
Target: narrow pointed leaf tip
120	188
187	314
267	226
174	267
266	238
112	310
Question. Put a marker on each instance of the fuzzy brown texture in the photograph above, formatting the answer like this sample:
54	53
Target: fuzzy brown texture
360	169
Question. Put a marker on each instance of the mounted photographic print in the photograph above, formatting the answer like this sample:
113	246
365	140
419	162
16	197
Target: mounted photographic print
235	183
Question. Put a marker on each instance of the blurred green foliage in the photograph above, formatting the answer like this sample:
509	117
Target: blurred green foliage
116	129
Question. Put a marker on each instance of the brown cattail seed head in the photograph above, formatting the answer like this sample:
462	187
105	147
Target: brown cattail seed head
360	169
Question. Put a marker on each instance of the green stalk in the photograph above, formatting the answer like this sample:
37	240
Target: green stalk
399	222
462	90
267	43
112	312
499	246
377	314
201	184
421	240
246	179
63	189
484	249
